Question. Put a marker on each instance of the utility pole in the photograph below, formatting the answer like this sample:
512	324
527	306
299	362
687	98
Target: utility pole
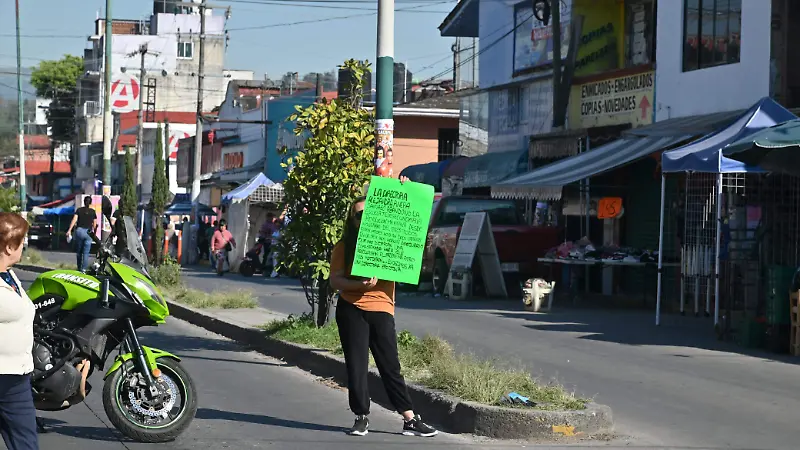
198	137
140	131
456	63
474	63
107	119
319	87
23	196
166	151
555	11
384	86
405	81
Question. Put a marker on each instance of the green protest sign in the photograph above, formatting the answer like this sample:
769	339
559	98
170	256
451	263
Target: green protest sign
393	230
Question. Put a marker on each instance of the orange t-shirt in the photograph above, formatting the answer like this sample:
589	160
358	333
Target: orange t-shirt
380	299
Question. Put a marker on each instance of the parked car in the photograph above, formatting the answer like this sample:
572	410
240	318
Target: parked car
40	234
518	244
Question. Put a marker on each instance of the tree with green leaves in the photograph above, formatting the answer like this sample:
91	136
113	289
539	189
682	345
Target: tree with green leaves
9	199
325	178
128	201
58	81
159	195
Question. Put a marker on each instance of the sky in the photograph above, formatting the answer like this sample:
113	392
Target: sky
278	44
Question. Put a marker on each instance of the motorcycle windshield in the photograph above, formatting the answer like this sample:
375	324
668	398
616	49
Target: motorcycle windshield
134	243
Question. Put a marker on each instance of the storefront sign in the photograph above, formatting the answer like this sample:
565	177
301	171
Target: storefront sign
601	46
533	40
614	101
234	160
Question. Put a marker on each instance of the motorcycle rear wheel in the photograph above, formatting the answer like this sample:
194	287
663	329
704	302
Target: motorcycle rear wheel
133	414
246	269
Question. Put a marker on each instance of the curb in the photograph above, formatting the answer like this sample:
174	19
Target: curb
35	269
451	414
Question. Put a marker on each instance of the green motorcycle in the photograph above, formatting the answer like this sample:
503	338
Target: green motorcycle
82	318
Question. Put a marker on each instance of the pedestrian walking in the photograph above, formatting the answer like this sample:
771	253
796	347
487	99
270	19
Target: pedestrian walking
17	412
365	317
85	219
221	243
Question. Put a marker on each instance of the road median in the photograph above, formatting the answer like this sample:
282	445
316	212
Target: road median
428	361
452	414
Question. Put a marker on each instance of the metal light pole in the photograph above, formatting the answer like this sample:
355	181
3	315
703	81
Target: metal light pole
23	197
107	119
384	86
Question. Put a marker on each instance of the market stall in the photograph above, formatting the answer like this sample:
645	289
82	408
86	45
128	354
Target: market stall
719	212
247	207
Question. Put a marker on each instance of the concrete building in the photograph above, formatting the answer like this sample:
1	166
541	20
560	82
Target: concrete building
171	66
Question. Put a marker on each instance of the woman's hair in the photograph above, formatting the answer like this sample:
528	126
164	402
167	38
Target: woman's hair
350	236
13	229
222	223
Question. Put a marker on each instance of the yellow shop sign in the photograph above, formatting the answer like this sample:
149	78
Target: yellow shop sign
613	101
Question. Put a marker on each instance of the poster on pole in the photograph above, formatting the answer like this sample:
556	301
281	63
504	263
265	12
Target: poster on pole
97	206
393	230
384	158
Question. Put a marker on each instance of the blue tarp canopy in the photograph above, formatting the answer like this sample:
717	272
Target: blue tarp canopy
429	173
66	210
244	191
706	154
185	209
490	168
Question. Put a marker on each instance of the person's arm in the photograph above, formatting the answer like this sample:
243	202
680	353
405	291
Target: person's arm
72	224
339	279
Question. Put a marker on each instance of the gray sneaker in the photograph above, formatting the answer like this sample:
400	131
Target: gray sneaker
360	427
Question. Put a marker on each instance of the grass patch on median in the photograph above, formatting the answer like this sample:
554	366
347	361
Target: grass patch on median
238	299
432	362
33	257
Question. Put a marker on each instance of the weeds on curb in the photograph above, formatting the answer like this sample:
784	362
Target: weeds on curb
216	300
431	362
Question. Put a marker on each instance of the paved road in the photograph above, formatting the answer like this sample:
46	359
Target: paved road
671	386
246	401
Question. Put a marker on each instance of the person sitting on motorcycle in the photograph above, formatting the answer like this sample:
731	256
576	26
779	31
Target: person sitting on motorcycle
221	244
265	236
18	423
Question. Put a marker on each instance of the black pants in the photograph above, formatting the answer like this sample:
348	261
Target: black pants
361	332
17	413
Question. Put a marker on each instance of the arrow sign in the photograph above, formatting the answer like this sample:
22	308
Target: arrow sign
644	105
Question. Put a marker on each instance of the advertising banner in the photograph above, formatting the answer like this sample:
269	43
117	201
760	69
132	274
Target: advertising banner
533	40
619	100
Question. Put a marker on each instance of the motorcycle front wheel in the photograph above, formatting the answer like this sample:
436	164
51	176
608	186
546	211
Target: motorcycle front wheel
135	414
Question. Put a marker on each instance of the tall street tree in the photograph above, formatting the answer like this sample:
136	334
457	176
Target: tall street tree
128	200
58	81
159	196
325	178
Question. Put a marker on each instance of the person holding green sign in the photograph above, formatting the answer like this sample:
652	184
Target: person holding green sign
365	317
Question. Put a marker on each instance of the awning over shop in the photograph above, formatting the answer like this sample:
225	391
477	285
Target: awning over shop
429	173
547	182
456	168
490	168
259	186
66	201
185	209
706	154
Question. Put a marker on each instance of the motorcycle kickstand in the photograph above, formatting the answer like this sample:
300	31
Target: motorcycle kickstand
40	426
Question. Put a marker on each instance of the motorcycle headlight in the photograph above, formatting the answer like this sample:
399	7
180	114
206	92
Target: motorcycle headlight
152	292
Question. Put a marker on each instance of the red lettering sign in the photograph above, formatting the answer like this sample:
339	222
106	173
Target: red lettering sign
233	160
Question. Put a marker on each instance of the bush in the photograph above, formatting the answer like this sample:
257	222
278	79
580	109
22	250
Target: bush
168	274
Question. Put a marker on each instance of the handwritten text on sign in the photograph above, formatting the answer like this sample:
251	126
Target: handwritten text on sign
393	230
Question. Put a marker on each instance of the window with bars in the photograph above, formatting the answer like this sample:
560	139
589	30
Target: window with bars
185	50
712	32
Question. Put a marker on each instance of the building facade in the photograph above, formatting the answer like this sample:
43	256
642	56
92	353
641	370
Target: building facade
171	64
720	61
